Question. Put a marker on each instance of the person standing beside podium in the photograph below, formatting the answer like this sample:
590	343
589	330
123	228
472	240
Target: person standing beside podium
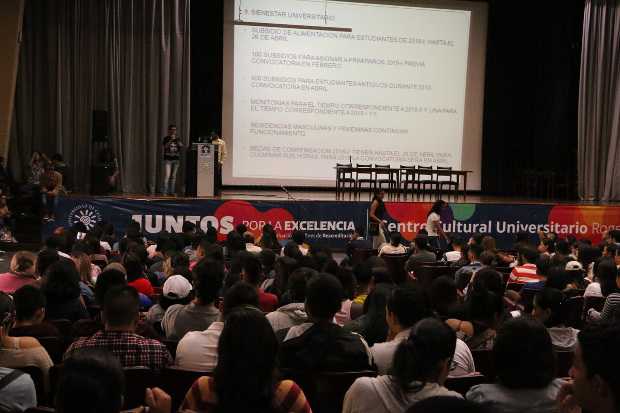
220	146
172	147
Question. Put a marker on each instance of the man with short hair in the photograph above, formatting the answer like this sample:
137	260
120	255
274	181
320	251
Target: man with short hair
293	313
456	253
422	254
463	275
198	315
197	350
251	272
29	314
172	147
120	315
595	385
320	344
526	271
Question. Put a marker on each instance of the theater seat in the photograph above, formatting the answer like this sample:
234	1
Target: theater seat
483	359
36	375
325	390
463	384
177	382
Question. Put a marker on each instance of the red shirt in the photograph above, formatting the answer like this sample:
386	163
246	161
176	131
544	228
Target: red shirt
9	282
267	302
143	286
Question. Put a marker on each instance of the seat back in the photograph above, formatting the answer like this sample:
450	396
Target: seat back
54	346
395	264
387	175
425	173
177	382
137	380
363	171
593	302
344	171
564	361
514	286
36	375
462	384
171	345
483	359
426	274
63	325
325	390
574	312
360	255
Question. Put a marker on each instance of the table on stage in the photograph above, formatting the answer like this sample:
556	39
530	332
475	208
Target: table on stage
411	176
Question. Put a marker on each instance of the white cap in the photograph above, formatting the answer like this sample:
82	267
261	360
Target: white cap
574	266
177	286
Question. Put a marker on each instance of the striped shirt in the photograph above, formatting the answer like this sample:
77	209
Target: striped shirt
526	273
612	304
287	397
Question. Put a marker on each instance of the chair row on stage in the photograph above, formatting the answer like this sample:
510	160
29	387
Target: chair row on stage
405	180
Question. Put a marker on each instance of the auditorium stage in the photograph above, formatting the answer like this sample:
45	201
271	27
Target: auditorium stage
331	222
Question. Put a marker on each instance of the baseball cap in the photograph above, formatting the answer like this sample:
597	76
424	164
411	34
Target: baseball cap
574	266
177	286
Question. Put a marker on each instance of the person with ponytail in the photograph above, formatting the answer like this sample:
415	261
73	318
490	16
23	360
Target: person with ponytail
420	367
550	309
21	272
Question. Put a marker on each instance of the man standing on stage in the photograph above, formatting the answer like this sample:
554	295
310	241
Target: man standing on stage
221	156
172	156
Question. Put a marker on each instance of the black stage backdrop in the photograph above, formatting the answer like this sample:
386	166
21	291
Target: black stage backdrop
531	92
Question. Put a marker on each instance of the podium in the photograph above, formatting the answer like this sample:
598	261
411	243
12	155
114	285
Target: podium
201	170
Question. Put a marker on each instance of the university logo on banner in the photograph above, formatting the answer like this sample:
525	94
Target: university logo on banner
86	213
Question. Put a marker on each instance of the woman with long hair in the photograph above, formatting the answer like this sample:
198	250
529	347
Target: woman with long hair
433	224
61	287
244	378
268	239
83	265
376	220
419	370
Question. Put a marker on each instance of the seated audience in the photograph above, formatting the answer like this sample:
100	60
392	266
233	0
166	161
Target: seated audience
320	344
251	273
605	268
446	404
357	242
550	310
176	290
268	239
248	237
135	274
609	278
21	272
198	315
244	378
92	381
17	391
444	296
457	250
526	270
499	258
16	352
121	313
85	271
525	367
293	314
421	253
595	385
463	275
485	310
405	307
363	276
394	246
372	325
30	313
45	259
420	367
198	350
61	287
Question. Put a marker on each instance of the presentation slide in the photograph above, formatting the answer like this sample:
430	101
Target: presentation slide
316	83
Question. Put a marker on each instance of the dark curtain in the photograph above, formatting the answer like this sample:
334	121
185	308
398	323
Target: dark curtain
129	57
531	94
599	102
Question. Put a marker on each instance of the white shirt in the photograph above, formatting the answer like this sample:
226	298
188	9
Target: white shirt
383	354
453	256
252	248
390	249
197	350
593	290
430	224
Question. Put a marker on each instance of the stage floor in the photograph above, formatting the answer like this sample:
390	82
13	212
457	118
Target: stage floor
328	195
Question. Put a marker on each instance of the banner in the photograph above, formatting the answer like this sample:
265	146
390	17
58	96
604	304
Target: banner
331	223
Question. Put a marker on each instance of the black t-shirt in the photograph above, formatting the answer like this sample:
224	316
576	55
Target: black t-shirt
172	148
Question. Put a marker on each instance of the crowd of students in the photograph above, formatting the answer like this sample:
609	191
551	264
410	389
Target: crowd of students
246	309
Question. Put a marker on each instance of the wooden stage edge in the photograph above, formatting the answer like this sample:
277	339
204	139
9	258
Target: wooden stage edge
330	195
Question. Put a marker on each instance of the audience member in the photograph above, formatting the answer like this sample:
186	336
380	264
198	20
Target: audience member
268	239
61	287
526	270
30	313
85	271
248	237
485	310
464	274
422	253
525	367
16	352
92	381
363	277
609	279
550	309
457	250
21	272
17	391
120	314
444	296
293	314
176	290
135	274
208	276
45	259
595	384
372	325
320	344
394	246
252	273
604	269
420	367
244	378
198	350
